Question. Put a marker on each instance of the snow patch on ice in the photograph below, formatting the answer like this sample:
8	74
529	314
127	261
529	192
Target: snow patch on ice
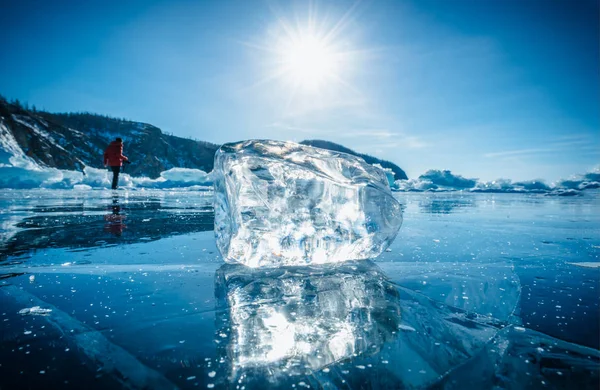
35	311
176	177
587	264
407	328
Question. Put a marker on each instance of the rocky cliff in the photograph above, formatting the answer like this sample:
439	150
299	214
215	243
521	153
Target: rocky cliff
73	141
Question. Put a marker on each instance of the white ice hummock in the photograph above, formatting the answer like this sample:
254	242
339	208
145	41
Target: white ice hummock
282	203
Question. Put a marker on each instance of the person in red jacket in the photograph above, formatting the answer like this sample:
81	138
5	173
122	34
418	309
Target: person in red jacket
113	157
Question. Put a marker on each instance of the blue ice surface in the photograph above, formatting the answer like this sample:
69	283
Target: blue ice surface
477	290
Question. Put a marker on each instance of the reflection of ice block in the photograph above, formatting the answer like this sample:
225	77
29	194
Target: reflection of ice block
288	321
281	203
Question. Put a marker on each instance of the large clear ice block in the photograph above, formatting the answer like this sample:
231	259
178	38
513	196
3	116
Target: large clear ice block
282	203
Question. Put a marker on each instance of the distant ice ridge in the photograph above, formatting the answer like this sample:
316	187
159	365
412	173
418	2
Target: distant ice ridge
27	174
175	178
443	181
282	203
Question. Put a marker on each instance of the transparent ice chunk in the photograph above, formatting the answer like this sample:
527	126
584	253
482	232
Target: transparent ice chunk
281	203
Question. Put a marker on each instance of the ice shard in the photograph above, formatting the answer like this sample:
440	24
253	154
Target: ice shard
282	203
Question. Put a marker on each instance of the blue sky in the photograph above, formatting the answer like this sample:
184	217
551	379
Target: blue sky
487	89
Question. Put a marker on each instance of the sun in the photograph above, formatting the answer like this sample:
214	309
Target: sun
308	62
309	59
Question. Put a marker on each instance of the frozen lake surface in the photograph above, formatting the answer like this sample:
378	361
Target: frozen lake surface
126	289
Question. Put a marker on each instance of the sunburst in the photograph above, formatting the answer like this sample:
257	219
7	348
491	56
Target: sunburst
309	57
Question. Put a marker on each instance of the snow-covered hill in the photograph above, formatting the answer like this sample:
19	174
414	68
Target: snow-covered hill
396	172
74	141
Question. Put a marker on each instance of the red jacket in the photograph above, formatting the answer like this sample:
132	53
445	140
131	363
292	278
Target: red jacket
113	155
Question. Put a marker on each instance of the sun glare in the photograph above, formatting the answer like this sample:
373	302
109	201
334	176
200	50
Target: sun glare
310	57
308	62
